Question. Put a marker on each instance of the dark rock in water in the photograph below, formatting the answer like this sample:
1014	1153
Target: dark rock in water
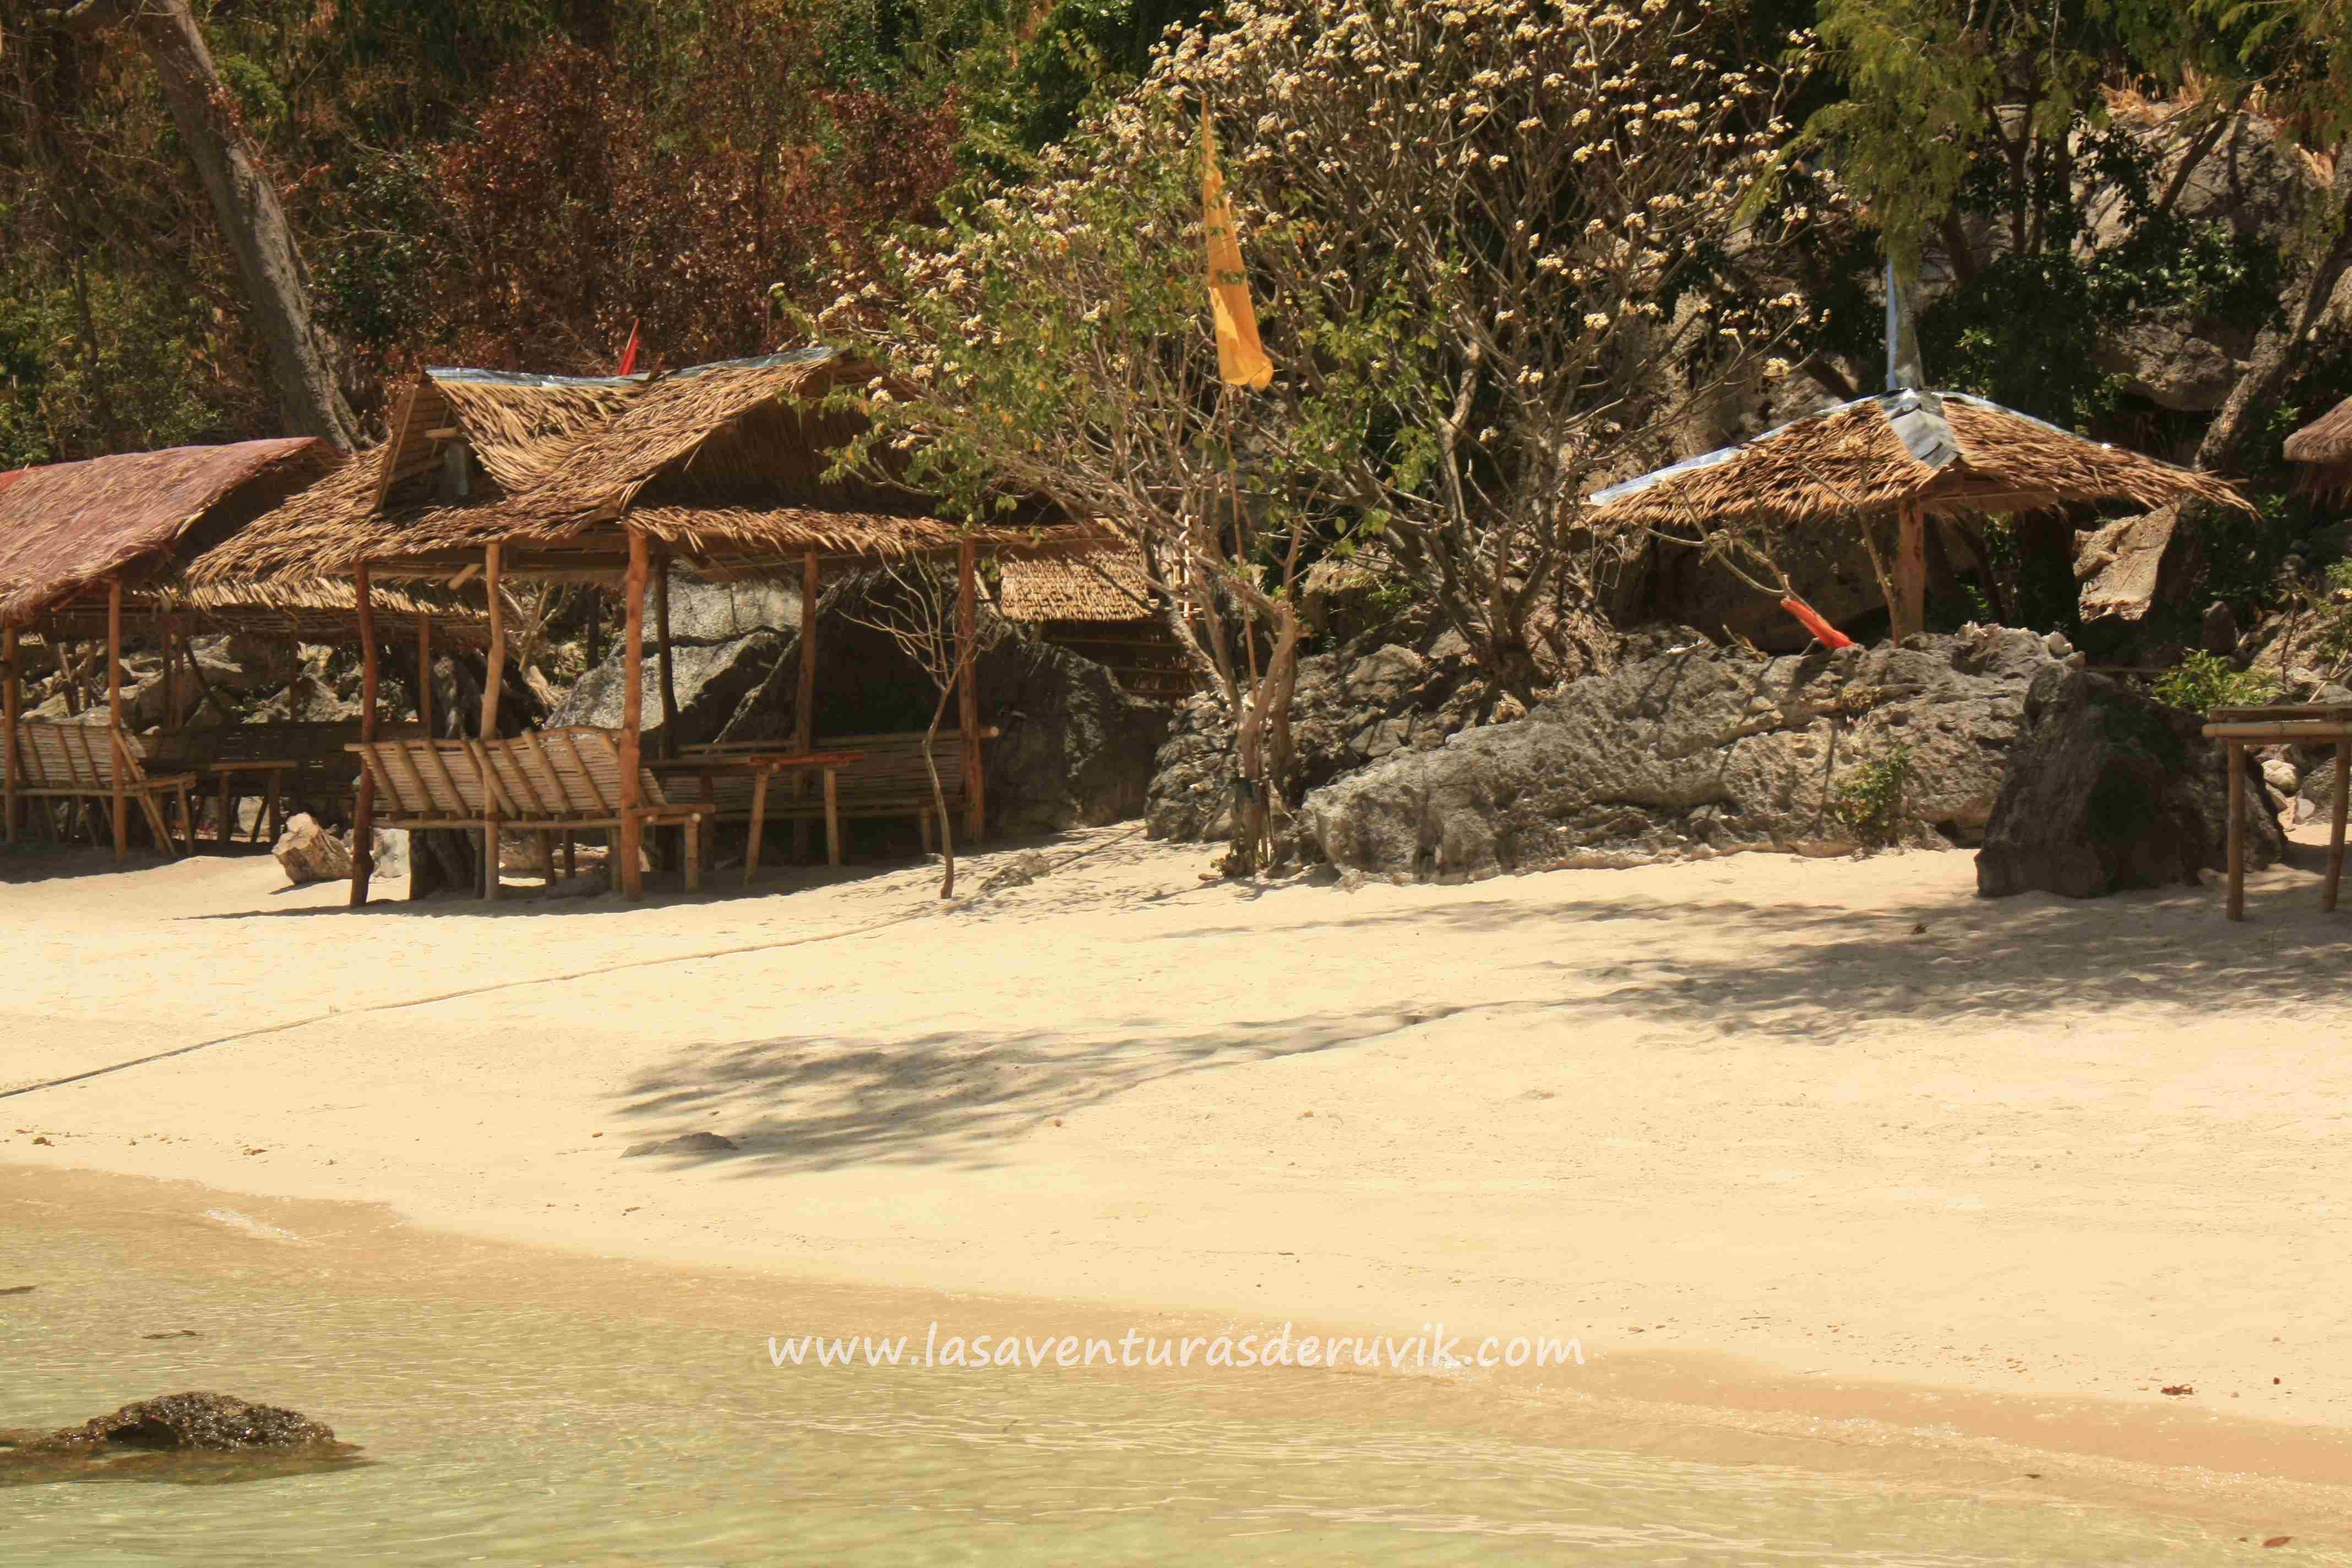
173	1334
1700	753
209	1423
2108	789
18	1289
686	1143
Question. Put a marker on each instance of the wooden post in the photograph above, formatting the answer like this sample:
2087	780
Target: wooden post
975	810
494	680
424	672
114	719
171	674
1910	573
804	699
2335	822
2237	830
668	675
631	880
12	698
364	811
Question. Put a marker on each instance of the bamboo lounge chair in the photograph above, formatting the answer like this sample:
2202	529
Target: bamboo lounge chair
554	780
99	763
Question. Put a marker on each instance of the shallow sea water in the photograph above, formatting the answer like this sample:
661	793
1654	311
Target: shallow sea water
503	1424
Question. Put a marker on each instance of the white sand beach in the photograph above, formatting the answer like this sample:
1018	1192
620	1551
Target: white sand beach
1808	1129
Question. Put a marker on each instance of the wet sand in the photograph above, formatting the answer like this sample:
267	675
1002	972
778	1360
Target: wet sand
1815	1141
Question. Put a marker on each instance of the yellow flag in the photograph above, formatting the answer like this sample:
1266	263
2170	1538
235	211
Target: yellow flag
1241	358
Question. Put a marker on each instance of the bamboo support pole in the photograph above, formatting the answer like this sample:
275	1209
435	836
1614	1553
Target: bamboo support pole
804	698
1911	572
2335	823
171	674
363	809
425	673
2237	750
631	881
975	811
669	673
494	678
114	719
12	698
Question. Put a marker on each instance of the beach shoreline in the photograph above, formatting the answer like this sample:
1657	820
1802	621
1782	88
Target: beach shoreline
1737	1127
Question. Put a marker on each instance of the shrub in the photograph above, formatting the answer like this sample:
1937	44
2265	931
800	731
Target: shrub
1870	801
2204	681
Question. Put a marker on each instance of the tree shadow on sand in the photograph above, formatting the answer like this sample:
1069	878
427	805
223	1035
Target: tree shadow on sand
819	1103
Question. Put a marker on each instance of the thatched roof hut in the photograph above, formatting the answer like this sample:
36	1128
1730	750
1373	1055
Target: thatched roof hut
723	464
1909	452
1943	452
2324	448
68	529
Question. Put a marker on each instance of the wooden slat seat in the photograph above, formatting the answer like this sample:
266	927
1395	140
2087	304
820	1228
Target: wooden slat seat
96	761
888	779
553	781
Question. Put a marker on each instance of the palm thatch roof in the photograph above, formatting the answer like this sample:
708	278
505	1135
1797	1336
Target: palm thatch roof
725	464
1944	452
2323	447
1106	584
71	526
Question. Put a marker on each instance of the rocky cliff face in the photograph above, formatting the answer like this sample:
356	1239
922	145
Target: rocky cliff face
1353	706
1702	753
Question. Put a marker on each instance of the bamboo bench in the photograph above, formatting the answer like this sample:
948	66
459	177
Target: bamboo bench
98	761
549	781
886	780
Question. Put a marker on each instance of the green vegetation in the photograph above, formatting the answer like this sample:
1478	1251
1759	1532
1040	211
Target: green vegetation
2204	681
1869	801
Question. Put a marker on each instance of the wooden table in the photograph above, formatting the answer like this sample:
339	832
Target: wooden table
763	766
2283	724
275	767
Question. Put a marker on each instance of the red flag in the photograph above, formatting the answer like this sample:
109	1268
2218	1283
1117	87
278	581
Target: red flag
629	354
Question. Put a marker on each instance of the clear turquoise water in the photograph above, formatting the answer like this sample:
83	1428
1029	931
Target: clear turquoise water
503	1431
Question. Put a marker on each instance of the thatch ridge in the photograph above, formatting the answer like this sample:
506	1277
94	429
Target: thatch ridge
69	525
1108	584
1945	452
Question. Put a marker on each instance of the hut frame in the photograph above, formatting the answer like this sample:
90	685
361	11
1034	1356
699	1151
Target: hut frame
610	480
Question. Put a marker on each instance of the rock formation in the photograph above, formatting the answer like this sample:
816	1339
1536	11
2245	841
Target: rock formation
1700	753
2108	789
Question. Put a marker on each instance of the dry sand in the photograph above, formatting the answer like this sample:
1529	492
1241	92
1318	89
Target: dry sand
1827	1135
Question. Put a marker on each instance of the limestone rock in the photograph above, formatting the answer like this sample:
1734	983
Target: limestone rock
2108	789
1354	705
2279	774
307	852
2170	365
1697	753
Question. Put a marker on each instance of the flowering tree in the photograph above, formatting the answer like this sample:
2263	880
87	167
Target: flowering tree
1499	255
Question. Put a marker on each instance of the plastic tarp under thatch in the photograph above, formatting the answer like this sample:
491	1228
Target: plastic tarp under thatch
68	526
1105	584
1945	452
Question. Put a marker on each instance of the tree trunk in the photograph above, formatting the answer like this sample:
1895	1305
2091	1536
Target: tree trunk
2276	352
300	355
